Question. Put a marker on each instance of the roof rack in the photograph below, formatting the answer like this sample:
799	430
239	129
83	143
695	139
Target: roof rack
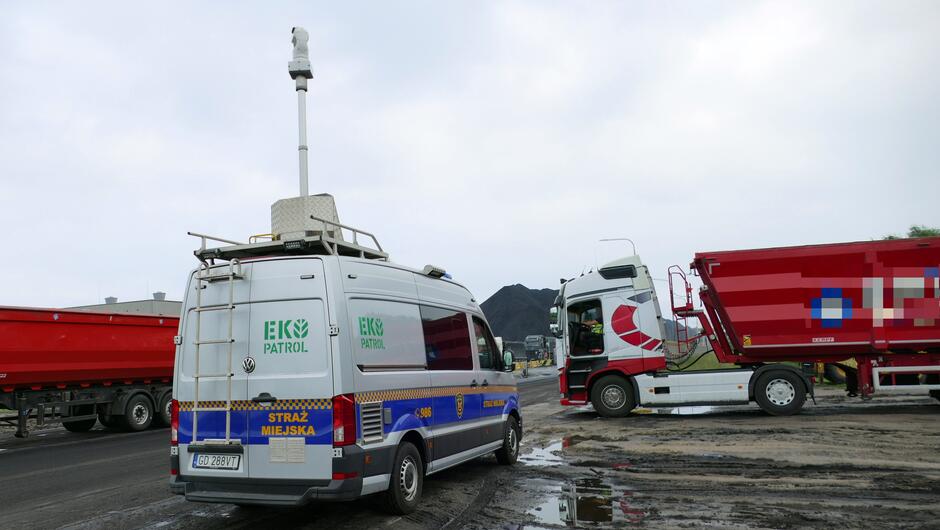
318	244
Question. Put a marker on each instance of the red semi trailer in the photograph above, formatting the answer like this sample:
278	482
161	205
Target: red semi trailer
80	367
877	302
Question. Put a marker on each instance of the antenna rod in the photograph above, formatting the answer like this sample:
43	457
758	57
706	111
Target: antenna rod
300	72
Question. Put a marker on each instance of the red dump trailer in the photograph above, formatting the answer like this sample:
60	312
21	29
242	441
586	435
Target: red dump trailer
872	307
81	367
875	301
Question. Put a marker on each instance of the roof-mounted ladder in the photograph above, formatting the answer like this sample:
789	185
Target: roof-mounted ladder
206	275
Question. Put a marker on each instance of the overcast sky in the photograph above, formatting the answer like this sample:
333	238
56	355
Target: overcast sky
499	140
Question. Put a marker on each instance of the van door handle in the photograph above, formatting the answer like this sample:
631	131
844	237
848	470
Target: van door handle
264	397
486	383
474	384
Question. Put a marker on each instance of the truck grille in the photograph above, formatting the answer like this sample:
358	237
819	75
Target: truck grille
370	415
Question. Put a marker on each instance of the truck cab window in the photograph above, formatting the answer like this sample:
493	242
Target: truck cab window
586	328
446	339
486	346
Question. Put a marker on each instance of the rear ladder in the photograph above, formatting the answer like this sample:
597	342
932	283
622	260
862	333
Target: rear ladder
205	276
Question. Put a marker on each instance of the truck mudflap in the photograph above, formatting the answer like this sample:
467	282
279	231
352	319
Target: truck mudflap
277	492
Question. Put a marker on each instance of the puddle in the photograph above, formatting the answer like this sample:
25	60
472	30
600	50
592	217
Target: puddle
592	501
543	456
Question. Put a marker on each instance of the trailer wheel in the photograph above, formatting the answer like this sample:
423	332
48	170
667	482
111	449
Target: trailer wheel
138	414
404	488
108	420
780	393
162	418
80	425
612	396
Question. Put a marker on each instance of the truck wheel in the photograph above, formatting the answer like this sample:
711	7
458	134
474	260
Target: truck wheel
780	393
162	418
509	452
108	420
80	425
612	396
138	414
404	488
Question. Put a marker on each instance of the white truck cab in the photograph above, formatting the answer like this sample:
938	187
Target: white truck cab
611	331
316	369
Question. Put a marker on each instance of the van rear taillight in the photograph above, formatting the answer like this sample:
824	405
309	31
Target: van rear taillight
344	420
174	422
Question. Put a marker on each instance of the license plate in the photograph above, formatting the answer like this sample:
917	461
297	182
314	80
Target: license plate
204	461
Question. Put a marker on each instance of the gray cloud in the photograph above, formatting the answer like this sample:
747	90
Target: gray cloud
499	140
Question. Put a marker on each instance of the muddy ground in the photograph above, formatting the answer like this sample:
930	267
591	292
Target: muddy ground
841	463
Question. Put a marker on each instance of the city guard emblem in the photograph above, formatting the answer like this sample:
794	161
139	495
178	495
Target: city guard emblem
458	399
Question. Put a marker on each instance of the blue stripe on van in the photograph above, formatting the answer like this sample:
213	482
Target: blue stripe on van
315	423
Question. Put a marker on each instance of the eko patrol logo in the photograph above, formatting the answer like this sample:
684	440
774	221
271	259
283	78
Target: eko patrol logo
371	333
458	400
286	336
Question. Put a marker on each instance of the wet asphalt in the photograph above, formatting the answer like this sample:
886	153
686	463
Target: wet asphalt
58	479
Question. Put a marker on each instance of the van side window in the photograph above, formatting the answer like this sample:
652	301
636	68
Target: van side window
486	346
586	328
446	339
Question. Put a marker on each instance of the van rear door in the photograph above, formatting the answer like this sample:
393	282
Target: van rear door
213	308
291	385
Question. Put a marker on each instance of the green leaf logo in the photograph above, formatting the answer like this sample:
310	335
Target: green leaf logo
300	328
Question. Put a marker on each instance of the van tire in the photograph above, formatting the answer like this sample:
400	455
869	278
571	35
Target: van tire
138	414
612	396
406	482
162	417
780	392
509	452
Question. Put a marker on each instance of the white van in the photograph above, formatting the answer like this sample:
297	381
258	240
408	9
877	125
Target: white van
316	369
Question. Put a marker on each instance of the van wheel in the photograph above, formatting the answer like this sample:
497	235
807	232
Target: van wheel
162	418
138	414
404	488
80	425
612	396
509	452
780	393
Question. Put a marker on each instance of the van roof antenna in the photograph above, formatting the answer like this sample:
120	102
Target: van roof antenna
300	71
